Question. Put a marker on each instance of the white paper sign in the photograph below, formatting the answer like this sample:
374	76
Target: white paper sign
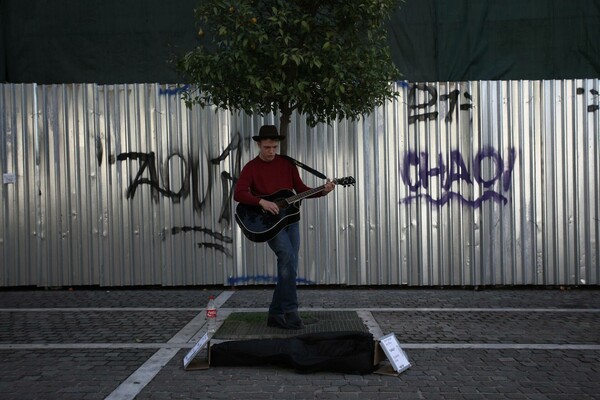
9	178
394	353
195	350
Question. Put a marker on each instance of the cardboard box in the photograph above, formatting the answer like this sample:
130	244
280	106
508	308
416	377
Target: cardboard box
192	361
389	353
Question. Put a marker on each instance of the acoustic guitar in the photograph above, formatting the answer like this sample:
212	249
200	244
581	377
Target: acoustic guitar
261	226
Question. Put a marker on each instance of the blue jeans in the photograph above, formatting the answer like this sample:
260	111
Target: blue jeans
286	246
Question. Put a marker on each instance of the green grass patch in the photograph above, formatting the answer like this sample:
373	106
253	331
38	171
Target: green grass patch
248	317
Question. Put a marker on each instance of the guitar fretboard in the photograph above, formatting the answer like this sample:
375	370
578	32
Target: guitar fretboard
306	194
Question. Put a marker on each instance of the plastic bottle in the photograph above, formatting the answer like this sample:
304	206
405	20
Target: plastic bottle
211	315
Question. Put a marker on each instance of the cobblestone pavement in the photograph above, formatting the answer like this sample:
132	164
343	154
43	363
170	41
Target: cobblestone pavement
523	343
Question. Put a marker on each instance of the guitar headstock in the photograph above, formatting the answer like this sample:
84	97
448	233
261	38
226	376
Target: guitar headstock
346	181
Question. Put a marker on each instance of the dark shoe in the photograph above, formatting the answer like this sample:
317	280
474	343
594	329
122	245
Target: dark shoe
293	320
277	321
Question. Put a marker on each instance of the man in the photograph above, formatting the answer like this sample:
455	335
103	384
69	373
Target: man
264	175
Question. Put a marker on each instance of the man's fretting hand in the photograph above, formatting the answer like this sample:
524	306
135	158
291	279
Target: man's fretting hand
329	186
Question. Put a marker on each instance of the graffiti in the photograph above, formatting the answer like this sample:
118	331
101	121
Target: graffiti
99	149
417	172
148	162
226	239
453	96
431	96
216	246
216	235
594	92
412	96
449	196
147	174
262	279
173	91
227	180
176	230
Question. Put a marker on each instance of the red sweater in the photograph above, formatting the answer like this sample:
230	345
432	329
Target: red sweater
261	178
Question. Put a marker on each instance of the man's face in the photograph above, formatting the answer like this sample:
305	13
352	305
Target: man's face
268	149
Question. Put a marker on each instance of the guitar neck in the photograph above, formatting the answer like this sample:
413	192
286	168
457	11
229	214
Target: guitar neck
304	195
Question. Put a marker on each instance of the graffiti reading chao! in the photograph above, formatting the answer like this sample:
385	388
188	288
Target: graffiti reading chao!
489	169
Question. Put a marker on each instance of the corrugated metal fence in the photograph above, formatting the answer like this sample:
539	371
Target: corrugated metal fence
474	183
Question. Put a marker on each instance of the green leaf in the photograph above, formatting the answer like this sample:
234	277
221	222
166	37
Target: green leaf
325	60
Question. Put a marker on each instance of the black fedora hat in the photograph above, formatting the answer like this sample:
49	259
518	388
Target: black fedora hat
268	132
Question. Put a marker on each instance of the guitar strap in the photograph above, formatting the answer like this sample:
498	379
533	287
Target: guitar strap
306	167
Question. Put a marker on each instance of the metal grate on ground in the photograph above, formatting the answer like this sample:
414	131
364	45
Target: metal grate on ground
253	325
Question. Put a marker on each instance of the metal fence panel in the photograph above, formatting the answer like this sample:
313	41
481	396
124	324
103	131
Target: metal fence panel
458	183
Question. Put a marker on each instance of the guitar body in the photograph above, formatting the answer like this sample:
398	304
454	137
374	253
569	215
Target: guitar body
260	226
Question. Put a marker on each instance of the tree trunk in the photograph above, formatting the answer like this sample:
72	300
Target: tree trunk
284	123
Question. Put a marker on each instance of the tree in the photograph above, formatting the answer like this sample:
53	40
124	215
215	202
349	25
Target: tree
325	59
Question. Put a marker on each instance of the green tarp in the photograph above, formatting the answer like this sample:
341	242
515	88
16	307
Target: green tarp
118	41
460	40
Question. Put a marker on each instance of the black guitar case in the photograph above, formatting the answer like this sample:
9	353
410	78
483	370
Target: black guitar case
345	352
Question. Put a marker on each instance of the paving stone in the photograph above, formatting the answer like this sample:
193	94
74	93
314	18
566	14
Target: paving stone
52	374
435	373
91	327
